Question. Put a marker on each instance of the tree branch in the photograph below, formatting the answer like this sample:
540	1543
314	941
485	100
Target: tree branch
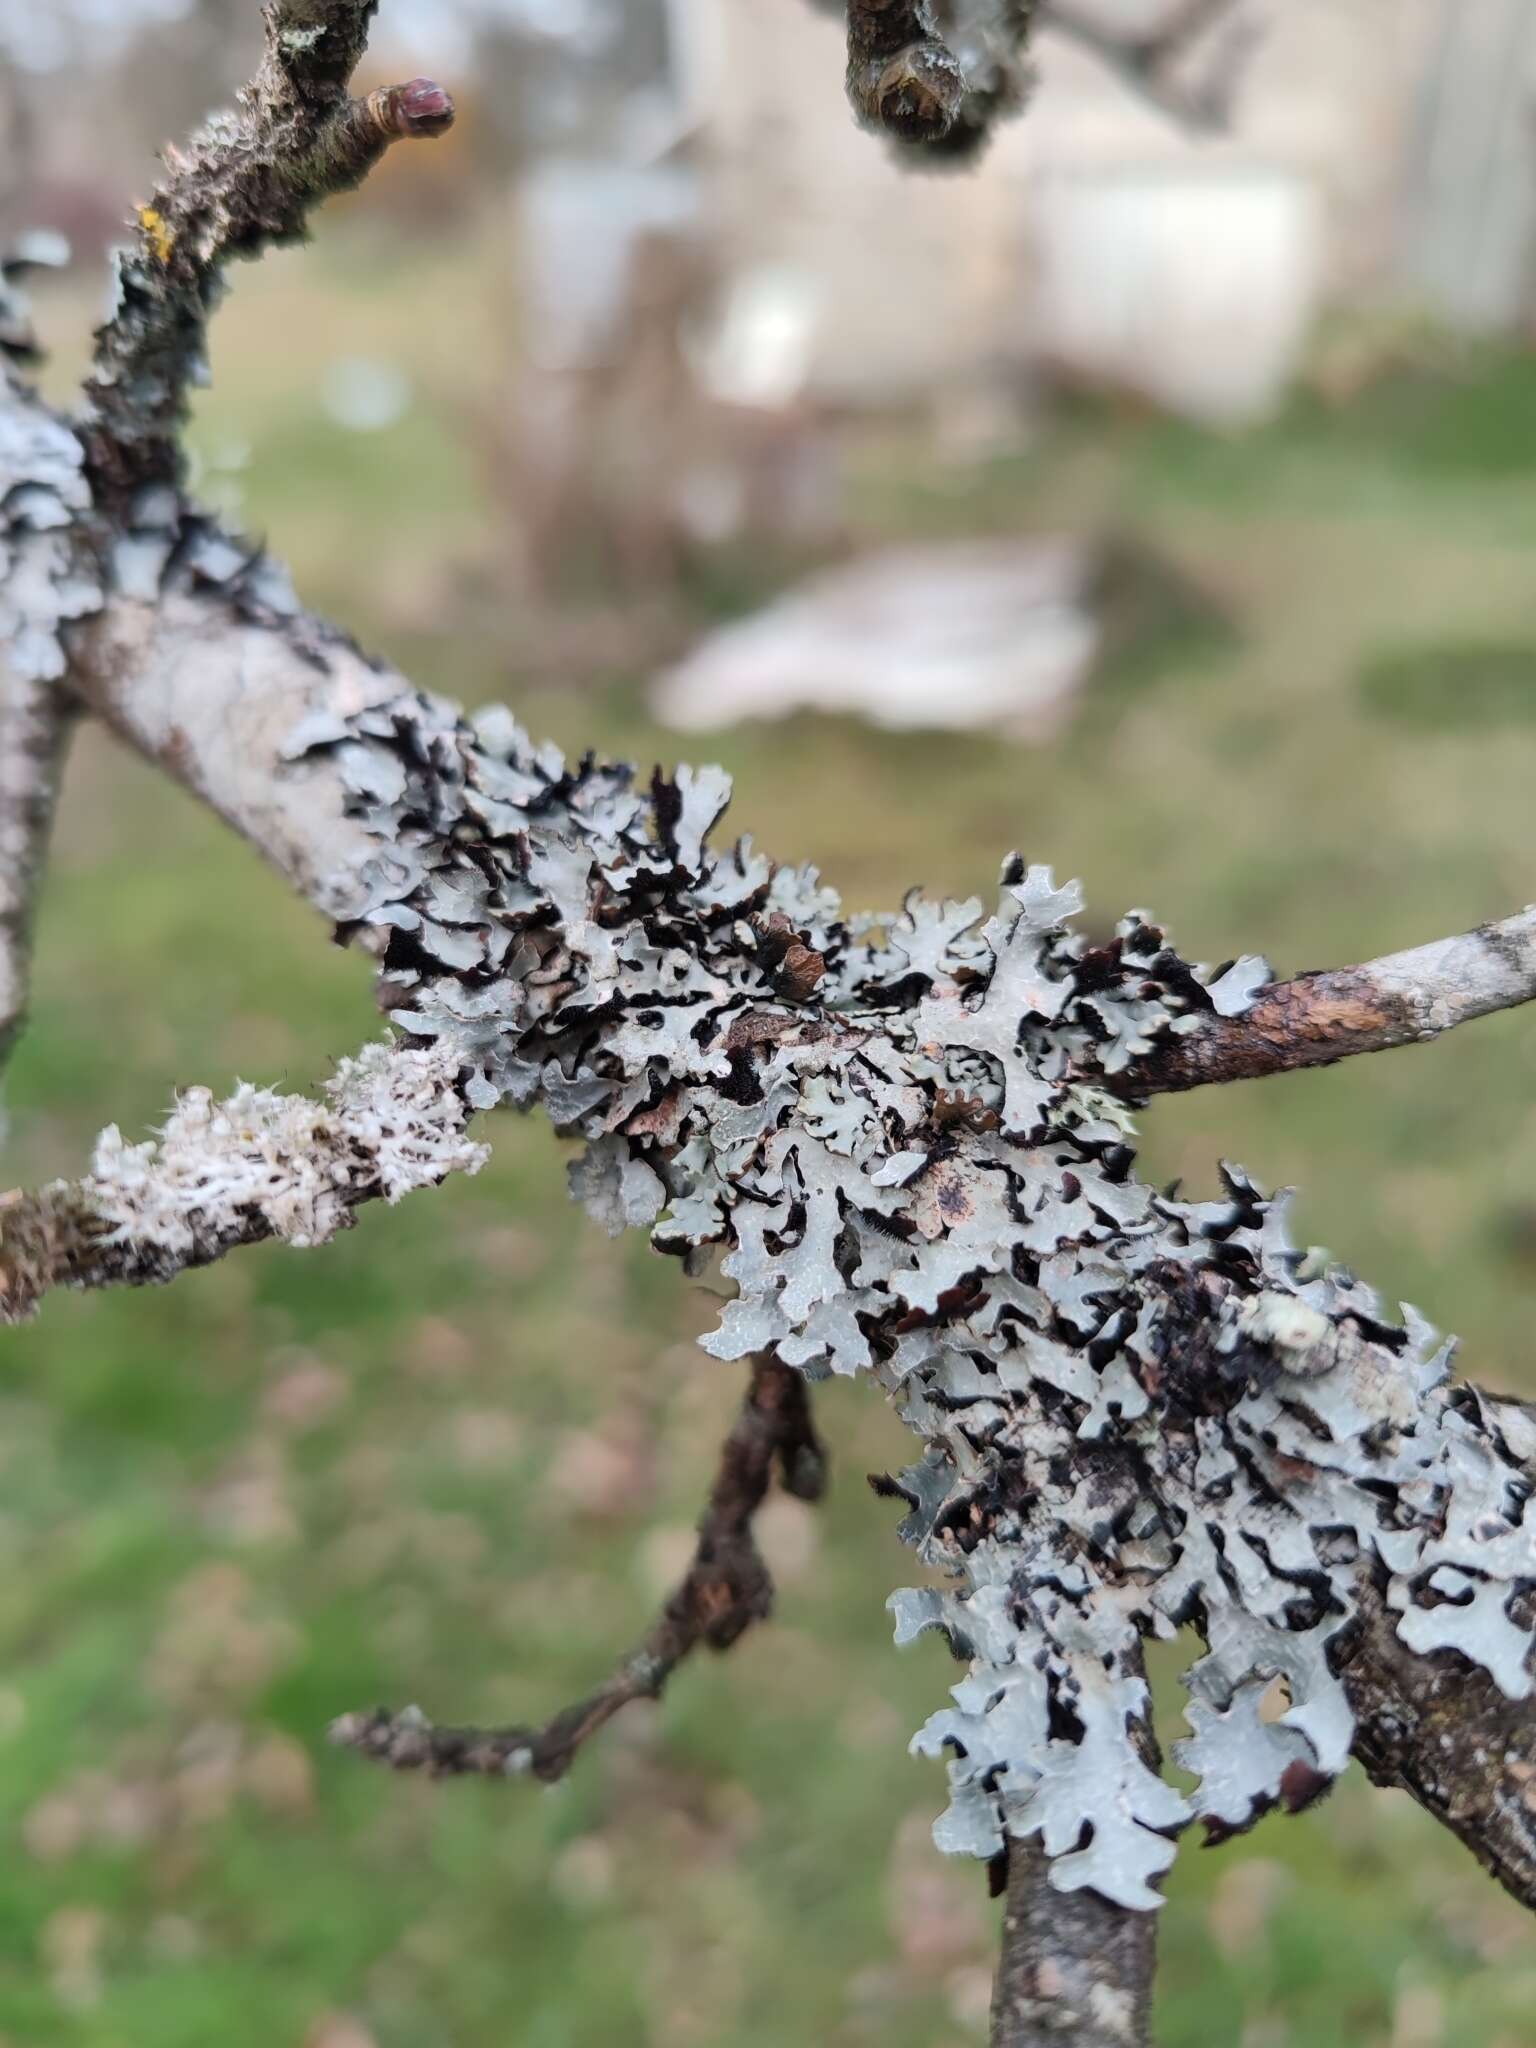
1441	1730
246	181
935	75
1075	1970
209	673
1135	1412
34	723
222	1174
1316	1019
725	1590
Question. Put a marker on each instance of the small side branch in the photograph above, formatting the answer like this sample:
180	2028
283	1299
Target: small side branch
245	182
222	1174
725	1590
1075	1970
34	724
1403	999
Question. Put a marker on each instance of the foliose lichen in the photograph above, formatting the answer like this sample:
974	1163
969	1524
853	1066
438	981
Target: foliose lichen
1137	1413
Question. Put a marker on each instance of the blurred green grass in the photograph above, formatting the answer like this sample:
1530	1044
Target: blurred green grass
455	1457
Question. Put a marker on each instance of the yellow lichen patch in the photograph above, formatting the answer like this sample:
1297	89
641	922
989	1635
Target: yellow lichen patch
161	236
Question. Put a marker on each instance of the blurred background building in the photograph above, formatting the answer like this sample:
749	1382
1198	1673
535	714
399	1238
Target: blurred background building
1378	151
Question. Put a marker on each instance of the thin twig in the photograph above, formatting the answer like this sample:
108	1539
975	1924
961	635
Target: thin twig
725	1590
1403	999
248	180
34	725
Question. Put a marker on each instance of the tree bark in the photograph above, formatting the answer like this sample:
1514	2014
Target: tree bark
1075	1971
1404	998
1440	1729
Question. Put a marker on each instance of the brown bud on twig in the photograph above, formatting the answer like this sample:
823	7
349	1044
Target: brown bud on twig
418	110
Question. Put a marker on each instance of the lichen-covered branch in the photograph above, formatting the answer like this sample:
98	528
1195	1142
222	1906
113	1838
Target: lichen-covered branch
246	181
1136	1412
1442	1729
34	722
1075	1970
1404	998
48	577
901	1135
220	1174
724	1591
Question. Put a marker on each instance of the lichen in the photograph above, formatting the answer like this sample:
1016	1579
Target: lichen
47	576
255	1165
1136	1412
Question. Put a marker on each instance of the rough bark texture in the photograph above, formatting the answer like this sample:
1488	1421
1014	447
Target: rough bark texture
1439	1729
1075	1970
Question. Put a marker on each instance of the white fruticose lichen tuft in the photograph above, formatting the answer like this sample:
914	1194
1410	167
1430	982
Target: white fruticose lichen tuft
1137	1412
390	1123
